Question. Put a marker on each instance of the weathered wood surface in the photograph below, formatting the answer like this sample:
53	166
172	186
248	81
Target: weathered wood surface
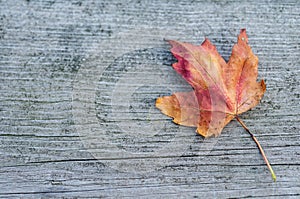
78	85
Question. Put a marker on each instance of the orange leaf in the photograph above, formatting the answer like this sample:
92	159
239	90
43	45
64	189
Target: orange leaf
222	90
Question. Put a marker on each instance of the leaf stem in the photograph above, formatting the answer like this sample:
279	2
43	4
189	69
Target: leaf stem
259	147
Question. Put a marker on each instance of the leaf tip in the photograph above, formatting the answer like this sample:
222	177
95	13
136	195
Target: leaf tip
158	102
263	85
208	45
243	36
171	42
205	134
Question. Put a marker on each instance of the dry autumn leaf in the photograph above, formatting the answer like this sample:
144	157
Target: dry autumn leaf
221	91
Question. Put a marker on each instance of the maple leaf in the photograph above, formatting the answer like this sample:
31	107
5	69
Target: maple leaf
221	91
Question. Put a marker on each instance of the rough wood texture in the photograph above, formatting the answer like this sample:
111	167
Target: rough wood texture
78	84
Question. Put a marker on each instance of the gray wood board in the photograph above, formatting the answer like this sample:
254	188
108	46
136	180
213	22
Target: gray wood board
79	81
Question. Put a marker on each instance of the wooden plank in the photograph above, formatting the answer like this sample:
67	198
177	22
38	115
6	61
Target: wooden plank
78	84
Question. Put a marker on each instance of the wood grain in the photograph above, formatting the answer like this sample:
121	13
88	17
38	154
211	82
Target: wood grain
78	84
